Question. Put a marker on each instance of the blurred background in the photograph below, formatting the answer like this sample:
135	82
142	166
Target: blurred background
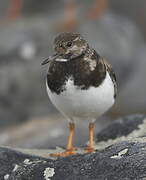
116	29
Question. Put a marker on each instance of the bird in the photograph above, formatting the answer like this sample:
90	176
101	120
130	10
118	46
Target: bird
80	83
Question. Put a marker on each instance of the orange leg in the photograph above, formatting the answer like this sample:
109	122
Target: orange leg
90	147
70	150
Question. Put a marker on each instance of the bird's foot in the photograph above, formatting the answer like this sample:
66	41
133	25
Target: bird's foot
89	149
68	152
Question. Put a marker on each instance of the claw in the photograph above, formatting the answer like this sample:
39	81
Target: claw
89	149
64	154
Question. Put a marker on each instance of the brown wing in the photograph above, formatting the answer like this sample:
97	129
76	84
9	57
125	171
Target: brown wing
112	75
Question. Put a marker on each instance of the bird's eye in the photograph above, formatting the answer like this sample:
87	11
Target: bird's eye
60	45
69	44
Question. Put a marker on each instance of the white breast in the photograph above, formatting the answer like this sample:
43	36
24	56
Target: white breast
84	104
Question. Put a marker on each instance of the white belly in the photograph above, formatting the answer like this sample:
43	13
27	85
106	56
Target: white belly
84	104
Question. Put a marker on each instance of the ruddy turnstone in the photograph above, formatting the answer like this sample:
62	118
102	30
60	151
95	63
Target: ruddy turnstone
80	83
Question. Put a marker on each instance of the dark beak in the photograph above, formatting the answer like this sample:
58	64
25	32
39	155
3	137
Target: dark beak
50	58
45	61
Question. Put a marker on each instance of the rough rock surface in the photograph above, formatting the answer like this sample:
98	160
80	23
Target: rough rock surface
124	160
132	126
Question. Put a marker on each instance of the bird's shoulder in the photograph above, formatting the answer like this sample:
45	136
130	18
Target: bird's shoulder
111	72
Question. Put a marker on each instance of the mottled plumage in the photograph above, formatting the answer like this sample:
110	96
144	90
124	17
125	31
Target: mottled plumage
75	60
112	75
80	83
80	70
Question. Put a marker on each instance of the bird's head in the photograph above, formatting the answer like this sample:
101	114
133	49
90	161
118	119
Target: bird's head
67	47
70	45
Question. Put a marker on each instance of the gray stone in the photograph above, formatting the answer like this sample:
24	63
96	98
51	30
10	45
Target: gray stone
123	161
114	158
124	127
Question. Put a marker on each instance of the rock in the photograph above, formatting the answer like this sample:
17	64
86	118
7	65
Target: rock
129	127
123	129
122	159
